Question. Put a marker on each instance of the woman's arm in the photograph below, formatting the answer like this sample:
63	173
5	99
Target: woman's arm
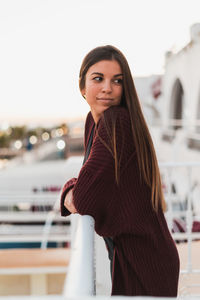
95	192
66	188
71	183
68	202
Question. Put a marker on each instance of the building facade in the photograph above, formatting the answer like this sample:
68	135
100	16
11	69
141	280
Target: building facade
181	86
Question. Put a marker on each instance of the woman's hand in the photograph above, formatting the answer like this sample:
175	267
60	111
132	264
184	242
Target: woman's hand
68	203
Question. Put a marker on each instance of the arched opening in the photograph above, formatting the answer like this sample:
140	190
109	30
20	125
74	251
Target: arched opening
176	104
194	140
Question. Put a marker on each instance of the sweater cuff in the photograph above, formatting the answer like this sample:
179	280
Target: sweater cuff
68	186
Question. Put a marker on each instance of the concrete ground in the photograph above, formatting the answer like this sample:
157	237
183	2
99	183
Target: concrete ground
189	284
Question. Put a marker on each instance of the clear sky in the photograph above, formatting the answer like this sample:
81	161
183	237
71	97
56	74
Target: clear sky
43	42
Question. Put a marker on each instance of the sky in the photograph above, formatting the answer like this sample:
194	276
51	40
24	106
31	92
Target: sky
43	42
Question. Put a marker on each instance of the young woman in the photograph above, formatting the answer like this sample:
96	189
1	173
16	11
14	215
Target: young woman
119	183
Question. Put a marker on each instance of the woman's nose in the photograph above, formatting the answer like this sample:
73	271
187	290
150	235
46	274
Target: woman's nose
107	88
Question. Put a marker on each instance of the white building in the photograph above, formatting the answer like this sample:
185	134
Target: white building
181	88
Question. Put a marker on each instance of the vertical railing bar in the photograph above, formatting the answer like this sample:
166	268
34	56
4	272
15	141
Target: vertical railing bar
189	219
169	199
47	226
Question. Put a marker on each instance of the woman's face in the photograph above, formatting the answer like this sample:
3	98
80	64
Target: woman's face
103	86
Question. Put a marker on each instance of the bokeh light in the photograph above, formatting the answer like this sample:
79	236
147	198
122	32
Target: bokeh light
18	144
33	139
60	144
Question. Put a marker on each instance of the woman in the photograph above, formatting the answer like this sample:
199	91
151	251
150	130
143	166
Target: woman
119	184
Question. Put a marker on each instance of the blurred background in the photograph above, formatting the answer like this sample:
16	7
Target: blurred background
42	47
42	113
44	42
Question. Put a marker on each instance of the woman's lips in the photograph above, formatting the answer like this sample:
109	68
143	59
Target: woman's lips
105	99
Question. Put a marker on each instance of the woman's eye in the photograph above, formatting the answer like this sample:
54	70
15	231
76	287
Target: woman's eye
97	78
118	81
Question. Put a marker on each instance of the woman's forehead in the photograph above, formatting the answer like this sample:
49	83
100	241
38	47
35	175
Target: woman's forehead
105	67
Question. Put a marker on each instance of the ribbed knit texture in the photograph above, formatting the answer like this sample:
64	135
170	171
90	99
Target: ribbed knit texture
146	260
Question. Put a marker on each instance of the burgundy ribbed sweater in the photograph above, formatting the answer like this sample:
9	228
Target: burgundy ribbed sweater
145	259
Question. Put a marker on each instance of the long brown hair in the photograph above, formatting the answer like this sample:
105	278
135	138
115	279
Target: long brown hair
146	155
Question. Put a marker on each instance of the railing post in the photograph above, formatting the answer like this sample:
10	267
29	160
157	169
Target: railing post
169	200
189	220
48	223
80	278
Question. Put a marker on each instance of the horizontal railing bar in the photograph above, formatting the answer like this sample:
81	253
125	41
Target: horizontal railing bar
35	238
191	122
26	217
31	200
172	164
49	297
33	270
31	195
193	271
20	229
185	235
179	213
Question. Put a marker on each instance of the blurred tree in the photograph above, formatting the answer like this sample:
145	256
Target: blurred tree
4	140
23	133
65	128
18	133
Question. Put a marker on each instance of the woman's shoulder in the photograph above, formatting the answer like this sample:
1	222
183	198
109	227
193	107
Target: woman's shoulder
89	121
119	111
115	129
117	118
119	115
89	117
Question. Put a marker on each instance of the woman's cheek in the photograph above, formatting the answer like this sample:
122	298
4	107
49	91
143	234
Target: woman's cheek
91	90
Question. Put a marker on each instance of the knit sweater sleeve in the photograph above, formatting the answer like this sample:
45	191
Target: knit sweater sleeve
93	193
68	186
70	183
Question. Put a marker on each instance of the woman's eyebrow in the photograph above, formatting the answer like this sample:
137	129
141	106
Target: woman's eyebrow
101	74
118	75
97	73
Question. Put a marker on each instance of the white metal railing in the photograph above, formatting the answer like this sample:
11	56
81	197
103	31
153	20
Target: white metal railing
10	233
14	233
48	223
26	203
179	131
186	184
80	280
186	178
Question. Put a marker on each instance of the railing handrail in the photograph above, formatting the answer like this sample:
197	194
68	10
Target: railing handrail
82	261
172	164
177	122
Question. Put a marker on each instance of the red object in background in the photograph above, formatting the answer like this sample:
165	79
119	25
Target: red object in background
50	188
53	188
156	88
196	226
180	226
